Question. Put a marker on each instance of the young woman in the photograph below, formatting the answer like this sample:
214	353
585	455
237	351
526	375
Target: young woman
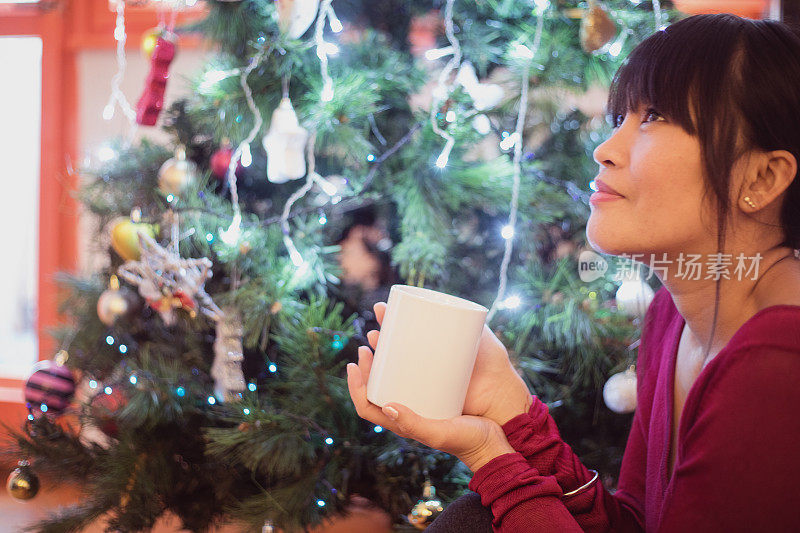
703	164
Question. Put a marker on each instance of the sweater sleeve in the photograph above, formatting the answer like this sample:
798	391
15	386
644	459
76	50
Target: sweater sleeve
520	498
524	490
543	459
527	487
738	468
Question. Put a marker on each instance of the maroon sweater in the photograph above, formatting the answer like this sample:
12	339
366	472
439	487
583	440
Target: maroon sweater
738	460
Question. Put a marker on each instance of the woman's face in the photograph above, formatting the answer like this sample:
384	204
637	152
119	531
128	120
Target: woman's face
656	167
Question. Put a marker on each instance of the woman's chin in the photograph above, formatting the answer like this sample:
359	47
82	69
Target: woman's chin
602	242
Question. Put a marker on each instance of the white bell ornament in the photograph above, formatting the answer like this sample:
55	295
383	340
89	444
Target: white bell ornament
285	144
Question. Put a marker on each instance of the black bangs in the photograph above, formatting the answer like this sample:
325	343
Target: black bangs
681	71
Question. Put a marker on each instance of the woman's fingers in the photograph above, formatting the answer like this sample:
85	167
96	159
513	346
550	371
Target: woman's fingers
380	310
358	394
372	337
457	436
407	423
364	362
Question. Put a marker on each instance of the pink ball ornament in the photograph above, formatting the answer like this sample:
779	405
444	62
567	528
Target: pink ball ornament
49	388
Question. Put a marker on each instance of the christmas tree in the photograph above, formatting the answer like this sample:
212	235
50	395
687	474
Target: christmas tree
330	150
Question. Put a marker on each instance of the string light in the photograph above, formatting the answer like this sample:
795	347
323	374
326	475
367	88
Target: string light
273	368
327	91
324	48
295	256
247	157
110	340
442	88
180	392
233	233
520	51
133	379
444	157
657	14
333	20
212	77
329	441
509	141
438	53
108	391
482	124
512	302
105	153
92	384
117	96
211	400
321	503
517	161
507	232
328	49
377	429
251	387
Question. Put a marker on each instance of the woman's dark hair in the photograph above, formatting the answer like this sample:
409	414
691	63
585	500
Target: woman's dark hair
723	79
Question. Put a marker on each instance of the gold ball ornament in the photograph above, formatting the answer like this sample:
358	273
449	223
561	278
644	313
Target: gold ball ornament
177	174
597	28
22	483
125	237
427	509
113	303
149	40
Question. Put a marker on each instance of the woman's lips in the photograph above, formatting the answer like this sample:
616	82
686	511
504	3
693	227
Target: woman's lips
604	192
602	186
603	196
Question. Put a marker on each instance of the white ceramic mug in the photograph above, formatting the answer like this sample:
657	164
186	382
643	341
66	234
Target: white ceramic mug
426	351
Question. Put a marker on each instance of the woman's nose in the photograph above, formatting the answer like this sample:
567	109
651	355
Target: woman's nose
609	153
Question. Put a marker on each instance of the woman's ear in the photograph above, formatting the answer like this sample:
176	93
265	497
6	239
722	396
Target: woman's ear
775	171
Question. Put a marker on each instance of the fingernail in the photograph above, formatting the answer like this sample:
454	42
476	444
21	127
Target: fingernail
391	412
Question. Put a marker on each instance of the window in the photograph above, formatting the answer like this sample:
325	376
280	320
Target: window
20	134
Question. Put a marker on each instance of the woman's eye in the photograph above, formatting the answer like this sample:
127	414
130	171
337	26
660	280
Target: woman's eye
651	112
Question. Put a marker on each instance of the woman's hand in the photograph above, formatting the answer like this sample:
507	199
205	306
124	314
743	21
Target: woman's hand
474	440
495	389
